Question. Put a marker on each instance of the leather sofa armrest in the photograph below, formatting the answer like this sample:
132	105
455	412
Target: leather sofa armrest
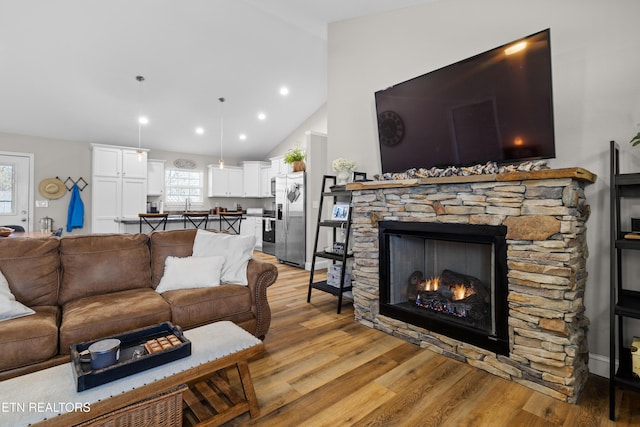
261	275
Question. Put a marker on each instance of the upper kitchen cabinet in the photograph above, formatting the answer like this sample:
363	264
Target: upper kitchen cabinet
155	177
226	182
119	178
252	178
265	180
278	166
118	162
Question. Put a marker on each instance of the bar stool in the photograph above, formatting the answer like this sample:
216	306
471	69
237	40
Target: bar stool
196	219
145	217
230	222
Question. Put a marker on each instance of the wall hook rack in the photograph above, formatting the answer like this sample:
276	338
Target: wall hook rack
69	183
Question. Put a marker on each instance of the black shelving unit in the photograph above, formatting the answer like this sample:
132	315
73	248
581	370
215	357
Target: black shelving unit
337	195
625	303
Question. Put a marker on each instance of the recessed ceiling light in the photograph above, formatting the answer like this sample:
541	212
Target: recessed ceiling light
284	91
242	136
262	116
199	130
143	120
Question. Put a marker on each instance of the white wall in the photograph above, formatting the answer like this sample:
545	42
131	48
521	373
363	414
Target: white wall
317	122
55	158
596	84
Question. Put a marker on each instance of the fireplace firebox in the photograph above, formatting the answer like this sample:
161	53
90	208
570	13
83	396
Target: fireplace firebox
447	278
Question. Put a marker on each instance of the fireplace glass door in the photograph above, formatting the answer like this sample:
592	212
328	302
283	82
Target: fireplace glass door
449	278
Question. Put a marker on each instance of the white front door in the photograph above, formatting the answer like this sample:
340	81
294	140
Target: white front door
15	185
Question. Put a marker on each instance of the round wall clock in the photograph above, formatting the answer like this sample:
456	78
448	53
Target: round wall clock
390	128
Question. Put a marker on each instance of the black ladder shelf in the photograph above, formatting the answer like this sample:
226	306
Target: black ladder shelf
342	196
625	302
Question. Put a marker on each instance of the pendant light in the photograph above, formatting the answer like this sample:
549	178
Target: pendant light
142	120
221	162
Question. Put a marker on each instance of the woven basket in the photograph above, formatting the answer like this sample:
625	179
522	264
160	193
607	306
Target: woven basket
163	410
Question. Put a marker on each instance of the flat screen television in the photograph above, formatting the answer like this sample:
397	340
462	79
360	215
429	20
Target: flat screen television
496	106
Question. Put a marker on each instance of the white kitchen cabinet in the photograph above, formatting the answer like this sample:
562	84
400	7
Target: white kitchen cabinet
134	165
134	197
106	201
226	182
278	166
251	179
252	226
265	181
155	177
108	160
253	183
119	186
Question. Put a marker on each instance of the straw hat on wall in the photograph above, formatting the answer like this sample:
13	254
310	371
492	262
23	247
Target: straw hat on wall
52	188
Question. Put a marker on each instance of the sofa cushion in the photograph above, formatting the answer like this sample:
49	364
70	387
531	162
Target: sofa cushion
30	339
237	251
190	272
98	316
195	307
178	243
97	264
9	307
31	268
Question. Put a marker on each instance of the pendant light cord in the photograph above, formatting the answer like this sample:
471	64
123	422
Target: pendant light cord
221	131
140	79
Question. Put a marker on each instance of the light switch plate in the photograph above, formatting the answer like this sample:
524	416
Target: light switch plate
42	203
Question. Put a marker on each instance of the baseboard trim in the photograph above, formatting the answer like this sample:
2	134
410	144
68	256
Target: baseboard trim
599	365
320	265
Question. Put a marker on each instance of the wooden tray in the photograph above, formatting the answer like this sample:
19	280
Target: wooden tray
87	378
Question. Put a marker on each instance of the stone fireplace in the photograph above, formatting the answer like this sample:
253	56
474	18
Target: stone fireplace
522	317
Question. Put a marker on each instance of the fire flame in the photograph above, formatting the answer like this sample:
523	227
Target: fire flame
461	292
432	284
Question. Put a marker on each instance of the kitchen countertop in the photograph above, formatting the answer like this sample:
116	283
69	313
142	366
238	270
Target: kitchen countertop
176	218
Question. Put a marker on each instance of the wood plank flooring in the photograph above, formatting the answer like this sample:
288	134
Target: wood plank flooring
324	369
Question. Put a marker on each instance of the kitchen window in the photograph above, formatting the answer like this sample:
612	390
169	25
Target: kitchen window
182	185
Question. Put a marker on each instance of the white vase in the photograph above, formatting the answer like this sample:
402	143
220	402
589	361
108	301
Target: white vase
343	176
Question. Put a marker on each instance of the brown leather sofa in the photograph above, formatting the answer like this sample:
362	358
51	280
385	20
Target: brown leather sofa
87	287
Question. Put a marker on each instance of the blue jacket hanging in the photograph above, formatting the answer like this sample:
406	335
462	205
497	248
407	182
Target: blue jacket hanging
75	215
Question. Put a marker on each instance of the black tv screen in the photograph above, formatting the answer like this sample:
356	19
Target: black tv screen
493	107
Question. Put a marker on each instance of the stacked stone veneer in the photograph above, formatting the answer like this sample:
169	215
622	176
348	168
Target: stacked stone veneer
546	258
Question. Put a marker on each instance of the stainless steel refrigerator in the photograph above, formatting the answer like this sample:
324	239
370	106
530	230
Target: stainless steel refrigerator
291	218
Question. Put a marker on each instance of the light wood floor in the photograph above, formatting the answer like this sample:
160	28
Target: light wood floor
324	369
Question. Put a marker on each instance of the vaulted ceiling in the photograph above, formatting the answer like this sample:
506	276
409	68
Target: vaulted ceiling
68	69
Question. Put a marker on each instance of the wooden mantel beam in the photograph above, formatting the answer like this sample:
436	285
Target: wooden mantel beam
574	173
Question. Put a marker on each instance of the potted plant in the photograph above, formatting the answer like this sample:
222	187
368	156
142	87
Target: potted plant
296	157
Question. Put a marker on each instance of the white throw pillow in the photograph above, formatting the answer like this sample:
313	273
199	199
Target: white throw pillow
9	307
190	272
237	251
